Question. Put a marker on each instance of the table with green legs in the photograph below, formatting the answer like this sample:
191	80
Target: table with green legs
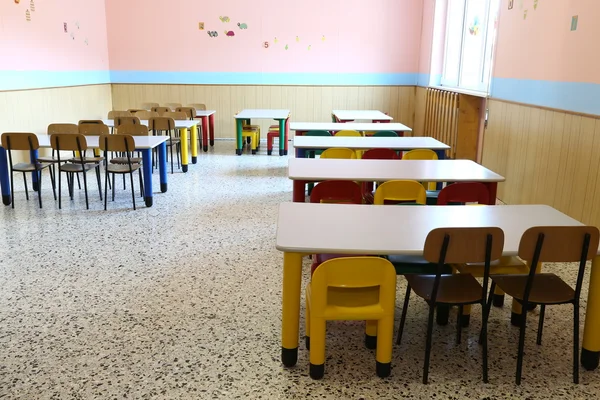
281	116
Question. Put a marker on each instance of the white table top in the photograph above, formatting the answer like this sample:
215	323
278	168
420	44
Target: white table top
396	143
184	123
399	230
141	142
204	113
351	115
354	126
311	169
263	114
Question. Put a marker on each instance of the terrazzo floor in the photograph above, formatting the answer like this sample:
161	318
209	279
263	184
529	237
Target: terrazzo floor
182	300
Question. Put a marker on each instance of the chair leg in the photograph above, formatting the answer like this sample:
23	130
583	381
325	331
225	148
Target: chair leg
521	342
403	318
307	326
171	158
371	334
12	188
99	181
25	183
576	342
487	308
71	178
484	341
132	189
113	187
124	187
87	203
78	181
541	323
52	171
459	324
317	348
141	183
59	188
428	343
106	180
385	337
39	186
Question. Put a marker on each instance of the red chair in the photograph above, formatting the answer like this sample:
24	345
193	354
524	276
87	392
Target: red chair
339	192
274	134
376	154
464	192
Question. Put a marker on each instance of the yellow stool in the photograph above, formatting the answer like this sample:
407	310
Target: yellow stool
252	135
351	288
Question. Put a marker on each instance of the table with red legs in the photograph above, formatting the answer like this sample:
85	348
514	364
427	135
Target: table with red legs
208	127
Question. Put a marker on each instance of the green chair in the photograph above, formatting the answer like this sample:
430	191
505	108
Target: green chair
385	134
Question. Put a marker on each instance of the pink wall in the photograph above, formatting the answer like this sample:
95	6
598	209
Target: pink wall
41	44
376	36
542	47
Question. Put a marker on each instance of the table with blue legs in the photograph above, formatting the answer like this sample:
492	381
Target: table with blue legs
143	144
281	116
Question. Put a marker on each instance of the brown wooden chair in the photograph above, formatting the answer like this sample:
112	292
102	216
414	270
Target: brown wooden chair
52	129
149	106
166	126
198	106
161	110
90	122
190	112
127	120
131	130
25	141
177	116
145	115
123	144
172	105
549	244
78	143
115	114
454	245
134	111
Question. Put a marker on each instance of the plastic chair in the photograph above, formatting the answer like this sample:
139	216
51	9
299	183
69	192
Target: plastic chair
341	153
425	154
313	153
26	142
385	134
400	191
351	133
353	288
549	244
464	192
273	134
454	245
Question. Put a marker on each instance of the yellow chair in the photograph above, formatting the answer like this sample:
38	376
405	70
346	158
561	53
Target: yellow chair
401	191
351	288
351	133
341	152
424	154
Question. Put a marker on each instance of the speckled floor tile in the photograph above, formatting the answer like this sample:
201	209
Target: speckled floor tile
183	300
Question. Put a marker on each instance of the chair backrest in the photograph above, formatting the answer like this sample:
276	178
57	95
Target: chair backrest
134	111
346	192
558	244
400	191
420	154
62	128
348	273
161	124
90	121
115	114
347	132
133	130
144	115
380	154
385	134
93	129
198	106
339	153
161	110
127	120
190	112
69	142
172	105
464	192
149	106
463	245
177	116
119	143
317	133
20	141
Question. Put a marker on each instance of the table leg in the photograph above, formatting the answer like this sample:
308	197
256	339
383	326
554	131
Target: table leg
282	137
300	153
4	181
211	123
147	172
441	155
298	191
183	134
205	134
194	147
590	351
290	321
492	189
162	166
33	156
238	136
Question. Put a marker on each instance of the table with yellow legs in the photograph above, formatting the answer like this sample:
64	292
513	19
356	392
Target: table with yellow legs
402	230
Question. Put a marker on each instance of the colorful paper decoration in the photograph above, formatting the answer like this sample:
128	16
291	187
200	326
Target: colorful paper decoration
201	26
229	33
27	15
32	6
286	47
224	19
242	25
275	41
212	33
535	4
511	4
525	14
574	22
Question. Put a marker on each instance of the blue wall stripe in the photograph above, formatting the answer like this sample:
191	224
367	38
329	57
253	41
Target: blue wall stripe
571	96
252	78
20	80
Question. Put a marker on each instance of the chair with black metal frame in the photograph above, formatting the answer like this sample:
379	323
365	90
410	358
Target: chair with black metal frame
117	113
25	141
123	144
97	159
161	110
454	245
78	143
548	244
132	130
166	126
51	130
90	121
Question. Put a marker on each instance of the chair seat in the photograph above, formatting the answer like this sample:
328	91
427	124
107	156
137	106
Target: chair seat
546	289
122	169
28	167
453	289
51	160
343	302
415	265
70	167
504	265
123	160
86	160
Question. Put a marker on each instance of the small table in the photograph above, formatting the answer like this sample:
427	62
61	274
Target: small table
208	127
387	230
281	116
302	143
183	126
143	144
304	170
353	115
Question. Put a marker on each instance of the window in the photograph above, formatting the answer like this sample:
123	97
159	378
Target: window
469	42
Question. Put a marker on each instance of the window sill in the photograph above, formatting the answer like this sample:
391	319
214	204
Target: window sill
461	91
